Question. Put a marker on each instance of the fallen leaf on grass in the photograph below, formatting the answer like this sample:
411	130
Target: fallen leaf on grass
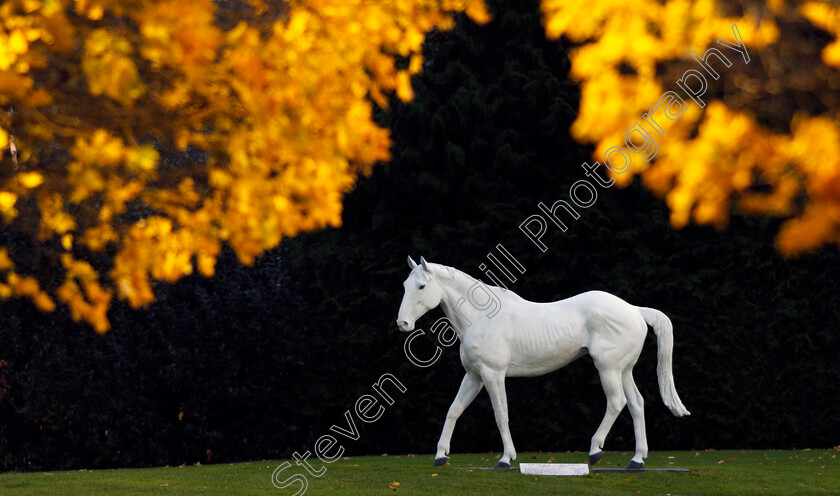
393	486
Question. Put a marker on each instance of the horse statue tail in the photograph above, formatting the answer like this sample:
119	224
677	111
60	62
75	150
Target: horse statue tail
665	337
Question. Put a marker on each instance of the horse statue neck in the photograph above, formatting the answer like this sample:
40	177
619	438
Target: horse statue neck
455	288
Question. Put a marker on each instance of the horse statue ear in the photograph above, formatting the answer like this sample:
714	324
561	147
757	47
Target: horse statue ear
425	267
411	264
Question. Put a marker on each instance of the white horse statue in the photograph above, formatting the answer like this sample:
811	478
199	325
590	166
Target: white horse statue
519	338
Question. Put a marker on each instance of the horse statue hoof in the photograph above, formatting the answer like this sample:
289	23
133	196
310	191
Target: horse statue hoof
502	465
635	465
593	459
439	462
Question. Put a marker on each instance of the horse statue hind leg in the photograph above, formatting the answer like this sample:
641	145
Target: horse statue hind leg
615	367
612	380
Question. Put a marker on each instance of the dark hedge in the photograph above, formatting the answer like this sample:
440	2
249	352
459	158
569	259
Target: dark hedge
202	375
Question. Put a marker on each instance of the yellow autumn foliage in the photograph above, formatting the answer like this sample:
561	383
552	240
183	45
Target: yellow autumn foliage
273	104
756	145
161	130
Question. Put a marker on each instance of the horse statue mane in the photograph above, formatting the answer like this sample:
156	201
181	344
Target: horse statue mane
451	272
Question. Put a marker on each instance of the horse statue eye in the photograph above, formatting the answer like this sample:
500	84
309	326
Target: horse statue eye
422	286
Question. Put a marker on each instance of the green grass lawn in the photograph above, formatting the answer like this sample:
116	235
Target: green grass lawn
713	472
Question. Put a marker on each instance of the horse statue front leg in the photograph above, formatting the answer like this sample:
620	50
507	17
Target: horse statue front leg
495	382
470	387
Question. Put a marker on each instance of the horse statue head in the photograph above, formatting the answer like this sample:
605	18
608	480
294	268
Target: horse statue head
422	293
